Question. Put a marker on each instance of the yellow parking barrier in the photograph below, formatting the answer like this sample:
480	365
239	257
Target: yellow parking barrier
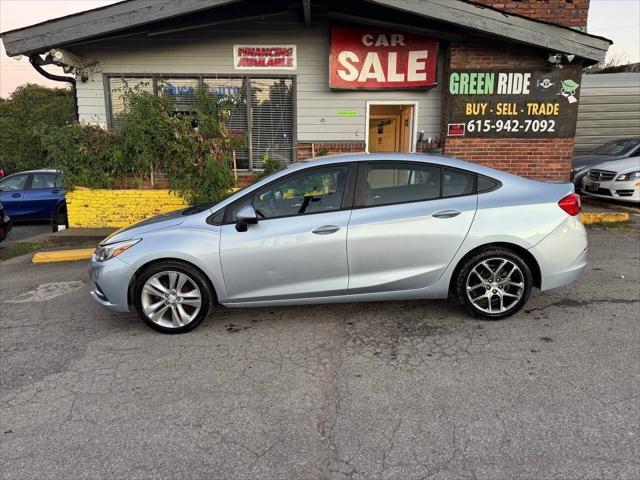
63	255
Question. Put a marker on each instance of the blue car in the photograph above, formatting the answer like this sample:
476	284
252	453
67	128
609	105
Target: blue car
33	195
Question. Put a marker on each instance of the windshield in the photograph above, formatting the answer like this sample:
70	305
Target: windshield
617	147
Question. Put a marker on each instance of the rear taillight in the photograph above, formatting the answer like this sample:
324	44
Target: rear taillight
570	204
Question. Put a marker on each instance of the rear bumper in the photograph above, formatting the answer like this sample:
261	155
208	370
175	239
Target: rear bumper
110	283
562	256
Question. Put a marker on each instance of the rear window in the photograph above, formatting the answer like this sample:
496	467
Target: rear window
456	183
485	184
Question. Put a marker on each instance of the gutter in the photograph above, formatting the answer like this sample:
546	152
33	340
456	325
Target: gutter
36	62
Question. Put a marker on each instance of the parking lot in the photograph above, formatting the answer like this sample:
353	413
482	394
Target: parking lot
405	390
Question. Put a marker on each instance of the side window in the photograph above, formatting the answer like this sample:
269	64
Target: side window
43	180
456	182
318	190
13	183
485	184
389	183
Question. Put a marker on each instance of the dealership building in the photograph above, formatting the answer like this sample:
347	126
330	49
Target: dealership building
489	81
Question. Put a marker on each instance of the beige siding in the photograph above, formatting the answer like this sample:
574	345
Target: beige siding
609	109
209	50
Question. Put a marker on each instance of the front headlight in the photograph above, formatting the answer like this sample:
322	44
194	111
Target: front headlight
625	177
105	252
577	169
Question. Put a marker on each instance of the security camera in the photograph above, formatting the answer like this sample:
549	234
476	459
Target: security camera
555	58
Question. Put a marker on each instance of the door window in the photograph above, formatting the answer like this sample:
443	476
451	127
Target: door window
389	183
43	180
318	190
13	183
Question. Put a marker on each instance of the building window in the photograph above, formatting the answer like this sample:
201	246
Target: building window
263	115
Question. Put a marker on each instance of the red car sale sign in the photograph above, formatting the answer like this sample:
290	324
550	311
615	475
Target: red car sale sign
365	58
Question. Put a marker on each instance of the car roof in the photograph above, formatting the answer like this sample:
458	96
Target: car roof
399	157
41	170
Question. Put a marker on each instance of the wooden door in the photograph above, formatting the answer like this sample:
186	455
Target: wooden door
383	134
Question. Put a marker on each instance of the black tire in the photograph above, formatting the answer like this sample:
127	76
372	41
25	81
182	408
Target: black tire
497	290
59	218
194	275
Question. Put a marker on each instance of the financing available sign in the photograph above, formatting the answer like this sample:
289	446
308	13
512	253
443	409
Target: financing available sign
513	103
375	59
264	57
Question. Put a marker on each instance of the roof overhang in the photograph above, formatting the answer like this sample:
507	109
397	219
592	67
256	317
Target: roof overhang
107	20
503	25
474	19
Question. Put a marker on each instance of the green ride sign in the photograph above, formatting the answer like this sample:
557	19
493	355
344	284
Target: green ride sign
513	103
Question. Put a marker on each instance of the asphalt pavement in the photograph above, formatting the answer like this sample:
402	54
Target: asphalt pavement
400	390
25	230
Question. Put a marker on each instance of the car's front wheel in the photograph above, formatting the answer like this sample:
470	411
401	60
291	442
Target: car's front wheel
494	283
172	297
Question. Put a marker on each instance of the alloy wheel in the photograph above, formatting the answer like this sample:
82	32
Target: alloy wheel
171	299
495	285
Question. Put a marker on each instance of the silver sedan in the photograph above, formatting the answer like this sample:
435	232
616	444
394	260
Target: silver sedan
349	228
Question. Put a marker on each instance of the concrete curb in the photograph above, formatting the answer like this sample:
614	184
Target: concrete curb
588	218
63	255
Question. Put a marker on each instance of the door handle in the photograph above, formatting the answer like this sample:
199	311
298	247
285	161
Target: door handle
55	190
326	230
16	195
447	213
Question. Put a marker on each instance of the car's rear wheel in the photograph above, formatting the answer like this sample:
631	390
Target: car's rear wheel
172	297
494	283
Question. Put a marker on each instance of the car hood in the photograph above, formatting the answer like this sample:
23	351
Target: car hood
621	165
166	220
588	160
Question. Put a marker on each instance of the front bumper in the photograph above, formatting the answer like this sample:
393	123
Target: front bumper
612	189
110	283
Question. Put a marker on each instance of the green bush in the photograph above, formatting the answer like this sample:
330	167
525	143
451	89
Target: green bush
89	156
28	110
269	166
193	149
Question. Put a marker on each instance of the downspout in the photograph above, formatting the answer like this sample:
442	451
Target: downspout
36	61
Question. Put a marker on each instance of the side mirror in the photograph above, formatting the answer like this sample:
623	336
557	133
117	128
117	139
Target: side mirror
245	217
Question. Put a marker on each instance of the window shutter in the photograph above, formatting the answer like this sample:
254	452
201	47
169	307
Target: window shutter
233	89
117	86
271	119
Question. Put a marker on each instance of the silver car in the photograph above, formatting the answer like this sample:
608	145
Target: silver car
349	228
614	180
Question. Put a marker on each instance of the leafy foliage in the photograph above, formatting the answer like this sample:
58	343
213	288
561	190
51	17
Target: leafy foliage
193	149
270	166
88	155
28	110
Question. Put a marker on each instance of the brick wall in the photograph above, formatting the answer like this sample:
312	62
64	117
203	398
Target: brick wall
547	158
117	208
305	150
538	158
569	13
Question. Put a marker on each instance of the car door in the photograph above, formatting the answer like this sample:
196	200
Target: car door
12	190
298	247
408	221
42	195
